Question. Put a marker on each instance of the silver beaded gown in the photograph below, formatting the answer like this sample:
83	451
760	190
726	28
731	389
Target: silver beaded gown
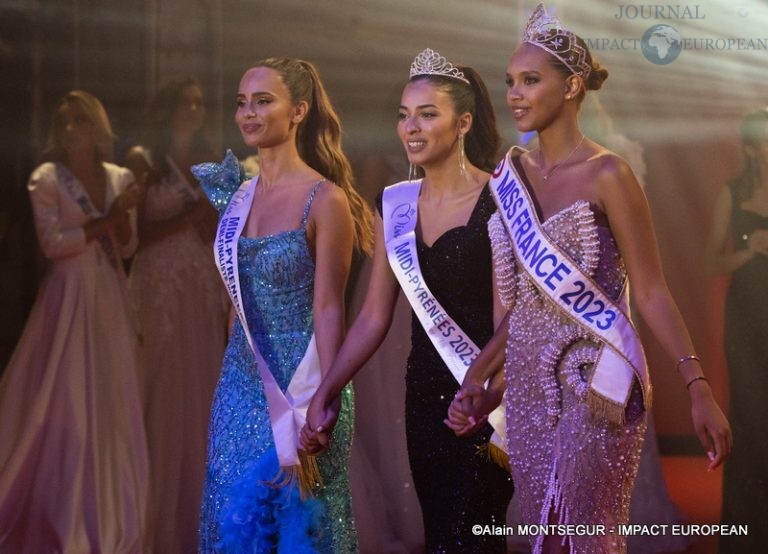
568	468
241	512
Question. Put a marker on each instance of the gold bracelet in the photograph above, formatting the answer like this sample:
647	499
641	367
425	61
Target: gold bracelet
687	358
692	381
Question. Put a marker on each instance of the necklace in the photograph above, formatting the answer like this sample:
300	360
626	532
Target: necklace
546	175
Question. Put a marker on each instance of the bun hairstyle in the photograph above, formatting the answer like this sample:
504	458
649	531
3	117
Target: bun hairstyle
597	73
319	139
483	140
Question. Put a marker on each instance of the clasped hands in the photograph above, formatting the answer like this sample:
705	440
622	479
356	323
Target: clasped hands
467	413
321	418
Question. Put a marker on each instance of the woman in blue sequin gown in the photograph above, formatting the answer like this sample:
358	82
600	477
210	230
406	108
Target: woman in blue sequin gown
294	256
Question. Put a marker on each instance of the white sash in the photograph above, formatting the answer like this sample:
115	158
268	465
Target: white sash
557	276
399	208
287	412
77	193
186	191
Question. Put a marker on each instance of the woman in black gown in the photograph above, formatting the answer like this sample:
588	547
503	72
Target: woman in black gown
741	221
448	128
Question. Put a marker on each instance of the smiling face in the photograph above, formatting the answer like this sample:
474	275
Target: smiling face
536	90
428	124
266	114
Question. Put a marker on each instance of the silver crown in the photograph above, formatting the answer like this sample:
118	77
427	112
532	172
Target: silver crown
430	62
548	32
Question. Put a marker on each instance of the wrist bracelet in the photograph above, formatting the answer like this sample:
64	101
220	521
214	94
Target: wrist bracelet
699	378
687	358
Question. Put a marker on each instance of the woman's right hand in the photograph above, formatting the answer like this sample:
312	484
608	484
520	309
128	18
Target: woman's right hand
469	409
316	433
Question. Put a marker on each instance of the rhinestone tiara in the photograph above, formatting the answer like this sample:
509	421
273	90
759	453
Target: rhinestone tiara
547	32
429	62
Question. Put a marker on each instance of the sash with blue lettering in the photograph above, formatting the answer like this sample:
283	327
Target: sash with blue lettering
78	195
556	275
287	412
399	214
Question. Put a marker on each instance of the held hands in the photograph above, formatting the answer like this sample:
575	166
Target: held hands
316	433
470	408
710	424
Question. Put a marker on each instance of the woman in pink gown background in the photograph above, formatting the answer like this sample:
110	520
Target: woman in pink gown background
180	309
73	459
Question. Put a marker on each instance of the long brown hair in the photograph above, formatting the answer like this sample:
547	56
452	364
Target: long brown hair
319	139
158	126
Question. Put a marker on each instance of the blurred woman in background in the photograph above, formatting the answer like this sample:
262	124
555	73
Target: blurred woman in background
180	309
738	245
73	459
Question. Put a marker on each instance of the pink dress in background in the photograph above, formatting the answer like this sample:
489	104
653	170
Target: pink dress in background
73	459
180	307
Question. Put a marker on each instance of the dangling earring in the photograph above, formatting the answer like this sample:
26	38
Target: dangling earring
411	172
462	157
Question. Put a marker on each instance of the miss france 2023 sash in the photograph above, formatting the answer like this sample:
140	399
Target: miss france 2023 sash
287	412
557	276
399	214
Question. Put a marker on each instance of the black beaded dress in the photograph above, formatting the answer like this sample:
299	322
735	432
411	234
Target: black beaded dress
456	484
745	479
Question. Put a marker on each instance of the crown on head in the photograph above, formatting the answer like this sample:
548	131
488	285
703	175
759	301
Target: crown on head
429	62
548	32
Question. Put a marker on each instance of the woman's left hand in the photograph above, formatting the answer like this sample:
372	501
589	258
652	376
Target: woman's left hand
710	424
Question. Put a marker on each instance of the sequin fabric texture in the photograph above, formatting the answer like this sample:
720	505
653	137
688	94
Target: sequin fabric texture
457	485
276	279
562	459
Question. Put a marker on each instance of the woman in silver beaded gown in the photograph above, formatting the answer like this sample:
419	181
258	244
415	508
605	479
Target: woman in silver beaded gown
294	256
573	459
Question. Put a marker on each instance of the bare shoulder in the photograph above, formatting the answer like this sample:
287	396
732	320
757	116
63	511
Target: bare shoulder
330	198
610	168
613	176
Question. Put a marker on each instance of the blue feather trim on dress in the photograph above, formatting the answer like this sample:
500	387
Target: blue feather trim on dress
261	518
220	180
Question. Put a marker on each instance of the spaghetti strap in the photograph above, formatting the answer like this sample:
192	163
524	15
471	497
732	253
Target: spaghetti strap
309	203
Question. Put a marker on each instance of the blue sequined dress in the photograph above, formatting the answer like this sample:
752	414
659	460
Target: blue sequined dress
240	512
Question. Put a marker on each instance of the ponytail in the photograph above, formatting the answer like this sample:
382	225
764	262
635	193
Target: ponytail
319	139
482	141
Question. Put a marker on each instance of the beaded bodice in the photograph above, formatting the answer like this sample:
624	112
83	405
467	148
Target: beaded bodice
277	284
566	459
